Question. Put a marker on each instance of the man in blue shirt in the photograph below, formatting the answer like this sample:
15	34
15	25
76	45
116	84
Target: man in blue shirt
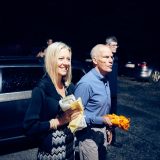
93	88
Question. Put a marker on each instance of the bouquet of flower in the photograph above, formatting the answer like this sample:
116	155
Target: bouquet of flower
119	121
70	102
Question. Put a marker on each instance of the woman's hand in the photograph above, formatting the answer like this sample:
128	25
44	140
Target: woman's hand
54	123
68	116
74	114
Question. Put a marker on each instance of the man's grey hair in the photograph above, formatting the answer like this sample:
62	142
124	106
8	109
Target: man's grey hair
97	49
111	39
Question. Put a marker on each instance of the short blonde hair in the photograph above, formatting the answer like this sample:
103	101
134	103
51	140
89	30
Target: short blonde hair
51	58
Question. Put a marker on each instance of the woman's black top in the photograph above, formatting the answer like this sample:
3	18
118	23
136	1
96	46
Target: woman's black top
43	107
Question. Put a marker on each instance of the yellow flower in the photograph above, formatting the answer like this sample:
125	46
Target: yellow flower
119	121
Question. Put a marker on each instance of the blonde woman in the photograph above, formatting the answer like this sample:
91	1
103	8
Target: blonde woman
44	118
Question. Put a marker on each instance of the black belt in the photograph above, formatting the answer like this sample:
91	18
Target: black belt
96	125
89	128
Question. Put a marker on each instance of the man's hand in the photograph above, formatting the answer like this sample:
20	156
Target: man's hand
109	136
107	121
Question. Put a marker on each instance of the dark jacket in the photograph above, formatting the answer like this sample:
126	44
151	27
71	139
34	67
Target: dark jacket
44	106
113	77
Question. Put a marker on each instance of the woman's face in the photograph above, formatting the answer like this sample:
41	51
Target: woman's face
63	62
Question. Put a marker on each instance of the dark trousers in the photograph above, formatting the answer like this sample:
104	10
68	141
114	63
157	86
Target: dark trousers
113	110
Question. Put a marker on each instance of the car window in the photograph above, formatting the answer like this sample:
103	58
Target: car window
16	79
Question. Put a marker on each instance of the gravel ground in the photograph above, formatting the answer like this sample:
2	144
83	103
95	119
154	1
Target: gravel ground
141	102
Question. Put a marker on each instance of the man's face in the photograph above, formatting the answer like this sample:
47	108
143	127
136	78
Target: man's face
113	46
104	61
49	42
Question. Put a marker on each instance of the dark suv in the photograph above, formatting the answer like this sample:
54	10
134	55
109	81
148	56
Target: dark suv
18	76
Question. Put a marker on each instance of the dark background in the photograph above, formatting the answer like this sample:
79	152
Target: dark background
81	24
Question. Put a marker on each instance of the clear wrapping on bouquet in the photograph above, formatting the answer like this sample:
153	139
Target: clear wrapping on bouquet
70	102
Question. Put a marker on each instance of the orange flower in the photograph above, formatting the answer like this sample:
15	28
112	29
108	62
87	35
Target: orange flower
119	121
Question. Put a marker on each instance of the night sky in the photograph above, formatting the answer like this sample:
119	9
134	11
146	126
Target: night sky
82	24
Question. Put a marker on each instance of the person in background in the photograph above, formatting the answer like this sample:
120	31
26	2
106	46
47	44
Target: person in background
44	118
42	53
93	88
112	43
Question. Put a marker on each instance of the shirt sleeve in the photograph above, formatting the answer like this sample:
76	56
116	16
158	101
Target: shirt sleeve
32	121
84	91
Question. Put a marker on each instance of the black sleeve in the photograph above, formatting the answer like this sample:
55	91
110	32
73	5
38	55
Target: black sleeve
32	121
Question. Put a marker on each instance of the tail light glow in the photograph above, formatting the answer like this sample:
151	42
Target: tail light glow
143	64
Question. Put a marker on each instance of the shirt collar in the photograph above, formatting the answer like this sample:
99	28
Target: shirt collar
99	75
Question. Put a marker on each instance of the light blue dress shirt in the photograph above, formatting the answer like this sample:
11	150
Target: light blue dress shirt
95	95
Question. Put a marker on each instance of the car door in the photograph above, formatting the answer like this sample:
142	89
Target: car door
16	84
